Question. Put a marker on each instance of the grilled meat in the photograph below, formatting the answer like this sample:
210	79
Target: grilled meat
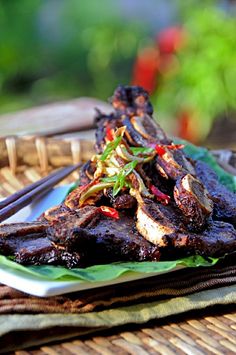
103	122
168	205
63	242
86	173
141	130
87	231
164	227
132	105
223	199
120	202
173	165
131	100
21	229
149	129
134	138
62	229
13	234
216	240
41	251
118	240
156	221
29	245
192	199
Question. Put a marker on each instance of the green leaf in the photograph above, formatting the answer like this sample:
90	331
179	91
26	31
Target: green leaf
101	272
110	147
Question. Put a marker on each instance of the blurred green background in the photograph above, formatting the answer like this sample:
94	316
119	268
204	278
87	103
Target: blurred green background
182	52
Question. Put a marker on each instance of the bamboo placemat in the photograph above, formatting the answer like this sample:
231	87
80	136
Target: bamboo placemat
210	331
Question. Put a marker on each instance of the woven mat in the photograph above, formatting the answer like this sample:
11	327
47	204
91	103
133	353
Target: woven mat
136	302
167	286
156	298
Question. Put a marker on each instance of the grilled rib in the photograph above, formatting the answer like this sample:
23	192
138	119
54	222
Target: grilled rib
216	240
156	221
223	199
77	236
192	199
29	244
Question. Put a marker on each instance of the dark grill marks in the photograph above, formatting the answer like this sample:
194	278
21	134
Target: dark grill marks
75	236
223	199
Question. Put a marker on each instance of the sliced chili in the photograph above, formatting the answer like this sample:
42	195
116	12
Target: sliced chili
161	197
174	146
109	212
161	148
109	134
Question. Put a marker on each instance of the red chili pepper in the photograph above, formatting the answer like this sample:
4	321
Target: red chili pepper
109	134
160	149
174	146
109	212
163	198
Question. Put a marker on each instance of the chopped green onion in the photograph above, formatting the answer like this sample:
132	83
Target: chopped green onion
93	190
109	179
119	180
128	168
121	177
141	150
110	147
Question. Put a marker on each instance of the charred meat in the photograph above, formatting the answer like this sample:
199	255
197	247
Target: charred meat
156	221
216	240
224	201
192	199
29	244
132	100
119	240
139	198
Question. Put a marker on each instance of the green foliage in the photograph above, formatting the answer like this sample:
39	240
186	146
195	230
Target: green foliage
204	81
52	50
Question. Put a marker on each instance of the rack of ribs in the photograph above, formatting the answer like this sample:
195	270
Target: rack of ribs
139	198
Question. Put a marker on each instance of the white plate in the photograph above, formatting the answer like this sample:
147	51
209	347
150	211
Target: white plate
38	287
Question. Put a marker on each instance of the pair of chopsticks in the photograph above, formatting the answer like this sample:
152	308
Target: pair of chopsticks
22	198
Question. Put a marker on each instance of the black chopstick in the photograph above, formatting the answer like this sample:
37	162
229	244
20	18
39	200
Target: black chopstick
7	201
22	198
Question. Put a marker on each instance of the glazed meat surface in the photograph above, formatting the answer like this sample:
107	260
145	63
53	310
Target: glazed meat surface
67	243
139	198
223	199
29	244
216	240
